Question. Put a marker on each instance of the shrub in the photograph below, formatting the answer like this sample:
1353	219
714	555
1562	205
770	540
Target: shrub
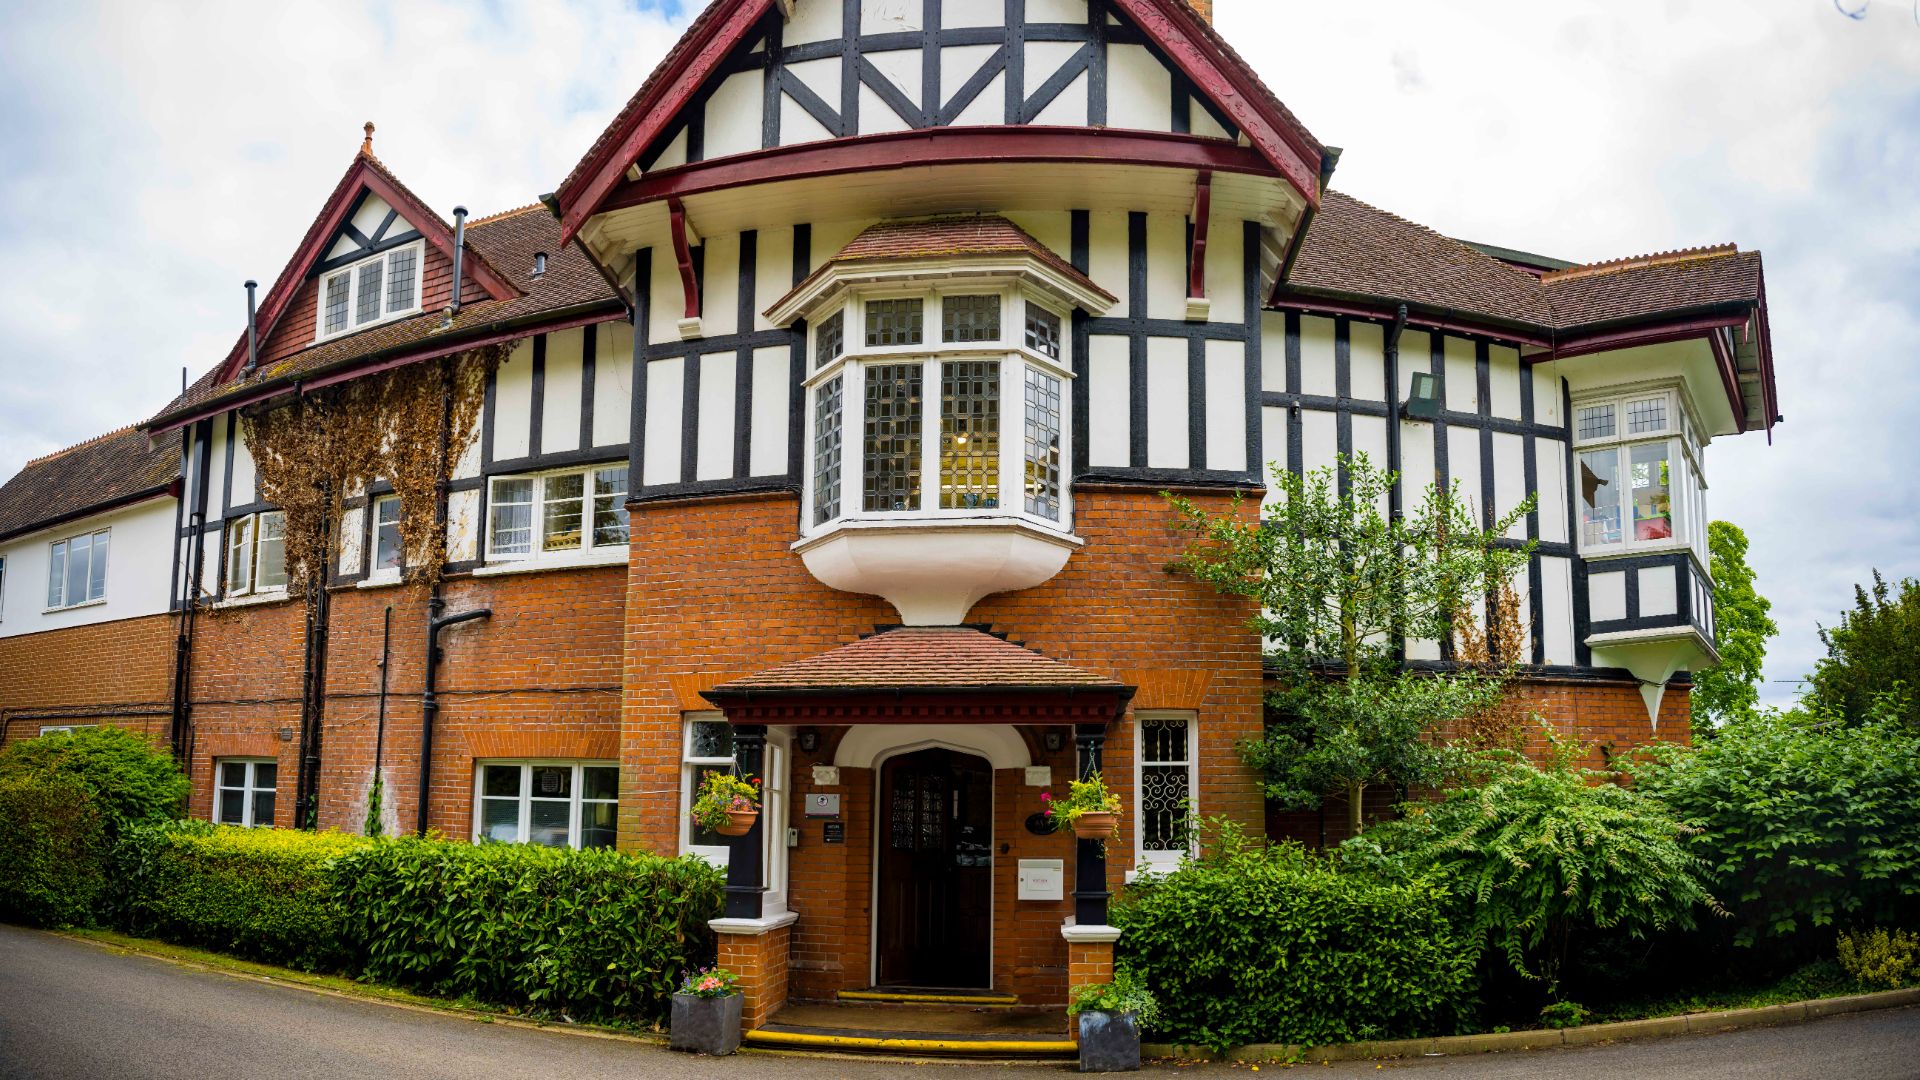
131	779
589	933
1536	857
1276	945
52	844
1879	958
1804	822
1565	1014
261	893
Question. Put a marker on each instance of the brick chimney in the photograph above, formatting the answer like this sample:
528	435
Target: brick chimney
1203	7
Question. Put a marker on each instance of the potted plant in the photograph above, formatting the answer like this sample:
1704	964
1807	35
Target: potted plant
1111	1016
727	804
1090	809
706	1013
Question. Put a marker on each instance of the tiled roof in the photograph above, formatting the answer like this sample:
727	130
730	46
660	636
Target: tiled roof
1353	250
949	237
99	473
919	659
508	242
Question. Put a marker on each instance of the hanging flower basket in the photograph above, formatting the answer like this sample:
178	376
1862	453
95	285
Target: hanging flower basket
1096	825
1090	809
727	804
739	822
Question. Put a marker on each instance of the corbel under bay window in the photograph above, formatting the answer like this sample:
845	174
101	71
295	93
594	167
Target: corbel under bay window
1166	779
557	516
1636	473
257	553
372	291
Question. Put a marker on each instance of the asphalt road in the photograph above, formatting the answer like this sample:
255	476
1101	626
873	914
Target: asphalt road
71	1010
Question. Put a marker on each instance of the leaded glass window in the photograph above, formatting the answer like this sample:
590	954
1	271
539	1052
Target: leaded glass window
829	341
892	437
338	287
1596	422
369	291
1043	331
400	279
1646	415
970	435
894	322
1043	445
827	402
970	318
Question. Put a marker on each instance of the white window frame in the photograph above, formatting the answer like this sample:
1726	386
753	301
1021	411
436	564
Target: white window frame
376	572
249	787
575	799
773	807
1156	862
65	544
248	531
63	729
1010	352
352	270
1686	483
537	552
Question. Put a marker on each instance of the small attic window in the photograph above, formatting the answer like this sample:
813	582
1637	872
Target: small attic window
373	290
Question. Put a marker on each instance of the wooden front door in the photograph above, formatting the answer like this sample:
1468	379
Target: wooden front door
935	836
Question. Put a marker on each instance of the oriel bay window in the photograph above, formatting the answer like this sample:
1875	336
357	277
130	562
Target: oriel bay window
557	514
1637	472
909	418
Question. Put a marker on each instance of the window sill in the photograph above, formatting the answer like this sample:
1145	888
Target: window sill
73	607
379	579
1642	550
253	599
598	557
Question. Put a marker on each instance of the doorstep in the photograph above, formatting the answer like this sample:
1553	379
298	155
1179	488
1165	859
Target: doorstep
888	1026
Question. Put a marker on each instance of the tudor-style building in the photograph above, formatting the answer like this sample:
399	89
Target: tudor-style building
848	370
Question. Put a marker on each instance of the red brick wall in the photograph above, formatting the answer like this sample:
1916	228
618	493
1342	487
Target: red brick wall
117	672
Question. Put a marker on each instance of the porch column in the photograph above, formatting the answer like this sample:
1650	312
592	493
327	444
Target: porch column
1090	862
746	856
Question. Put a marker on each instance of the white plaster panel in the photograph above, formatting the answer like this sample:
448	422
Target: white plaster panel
1317	368
1139	90
463	525
674	155
797	125
1319	439
1108	401
1070	108
1107	255
1072	12
876	116
1201	122
1463	466
560	403
1166	266
989	107
815	20
1556	609
768	454
217	469
466	462
1606	596
1503	381
1273	351
613	384
1370	438
513	402
1550	469
1168	416
889	16
970	12
1463	391
139	578
1546	394
1054	228
372	212
733	115
959	64
1226	405
829	237
714	452
1367	350
1416	462
820	76
772	274
1658	592
352	540
720	297
665	380
1422	649
1416	354
1510	478
669	302
1273	448
1226	276
243	469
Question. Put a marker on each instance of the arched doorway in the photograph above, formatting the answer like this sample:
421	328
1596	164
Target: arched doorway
934	871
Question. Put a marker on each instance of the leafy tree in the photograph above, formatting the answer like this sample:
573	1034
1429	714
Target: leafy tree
131	780
1741	627
1338	584
1874	652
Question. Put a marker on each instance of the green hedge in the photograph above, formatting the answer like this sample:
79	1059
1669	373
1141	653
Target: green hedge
592	934
1277	945
131	779
52	846
266	894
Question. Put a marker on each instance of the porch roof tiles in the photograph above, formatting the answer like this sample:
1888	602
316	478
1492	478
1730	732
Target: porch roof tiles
919	659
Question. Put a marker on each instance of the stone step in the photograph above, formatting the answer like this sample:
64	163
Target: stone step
996	1045
962	999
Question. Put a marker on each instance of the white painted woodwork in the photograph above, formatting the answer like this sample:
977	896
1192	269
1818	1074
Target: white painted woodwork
714	449
1606	595
768	452
1167	414
665	380
1226	410
513	403
1108	402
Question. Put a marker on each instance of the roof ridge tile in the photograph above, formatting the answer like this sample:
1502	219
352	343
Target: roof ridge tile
1639	262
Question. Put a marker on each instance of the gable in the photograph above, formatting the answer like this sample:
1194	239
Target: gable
748	78
373	226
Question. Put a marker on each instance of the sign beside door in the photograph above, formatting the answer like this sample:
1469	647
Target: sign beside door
1043	879
823	806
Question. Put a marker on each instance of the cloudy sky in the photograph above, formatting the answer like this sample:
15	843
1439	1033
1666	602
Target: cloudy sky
158	154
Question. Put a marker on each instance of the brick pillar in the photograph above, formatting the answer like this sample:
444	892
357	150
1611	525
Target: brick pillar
1089	960
756	950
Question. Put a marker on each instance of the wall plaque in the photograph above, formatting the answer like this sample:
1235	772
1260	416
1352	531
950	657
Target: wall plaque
833	832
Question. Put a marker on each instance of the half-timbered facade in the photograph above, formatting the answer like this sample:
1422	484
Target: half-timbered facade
848	370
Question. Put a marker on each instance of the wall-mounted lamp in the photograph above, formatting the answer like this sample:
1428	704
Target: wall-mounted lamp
1423	402
809	740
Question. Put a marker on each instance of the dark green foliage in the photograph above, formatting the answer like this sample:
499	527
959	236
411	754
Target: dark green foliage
1277	945
131	779
588	933
265	894
1538	858
1805	821
1873	656
1741	627
52	843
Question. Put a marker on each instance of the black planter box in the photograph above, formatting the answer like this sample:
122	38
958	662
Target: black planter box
712	1025
1109	1042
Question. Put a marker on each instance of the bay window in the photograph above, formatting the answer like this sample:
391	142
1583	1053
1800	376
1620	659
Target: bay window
373	290
557	513
924	388
1636	472
553	803
77	570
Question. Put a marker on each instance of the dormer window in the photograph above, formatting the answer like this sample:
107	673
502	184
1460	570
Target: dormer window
371	291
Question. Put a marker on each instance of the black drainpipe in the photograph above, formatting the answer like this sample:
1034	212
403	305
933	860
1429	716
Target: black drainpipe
189	592
253	331
459	254
380	726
